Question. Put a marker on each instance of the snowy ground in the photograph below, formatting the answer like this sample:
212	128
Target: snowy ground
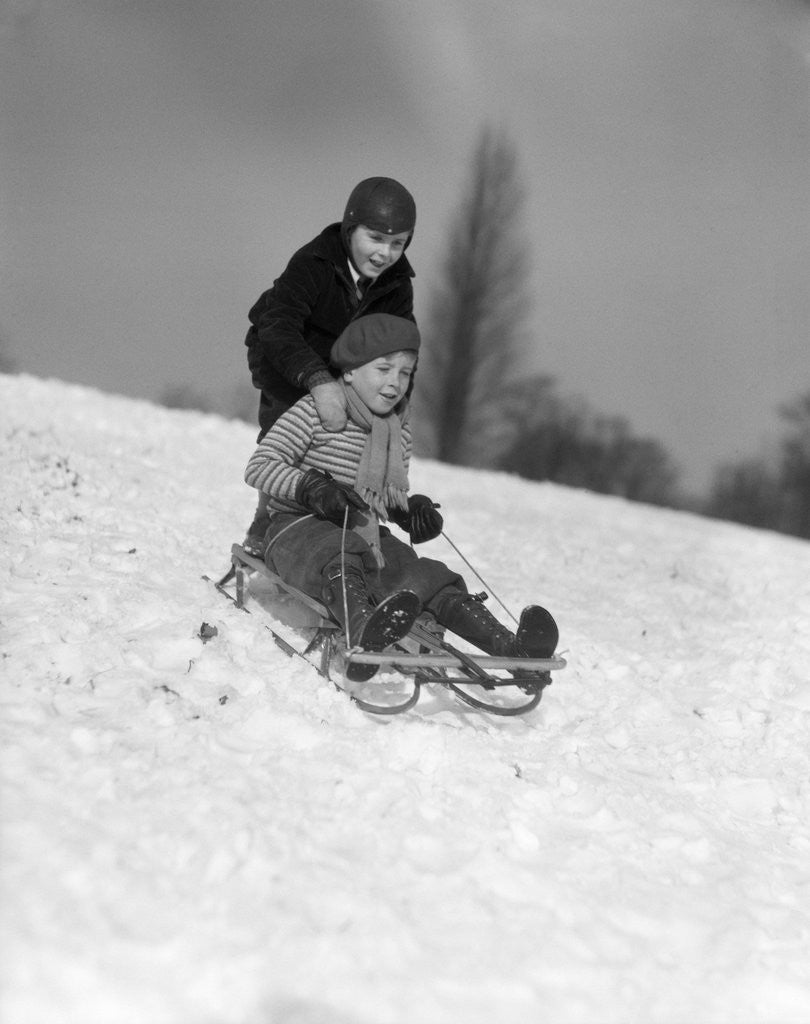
208	833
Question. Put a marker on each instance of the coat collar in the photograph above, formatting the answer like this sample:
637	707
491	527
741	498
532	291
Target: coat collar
328	245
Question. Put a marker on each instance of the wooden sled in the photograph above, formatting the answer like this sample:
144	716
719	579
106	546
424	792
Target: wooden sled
424	654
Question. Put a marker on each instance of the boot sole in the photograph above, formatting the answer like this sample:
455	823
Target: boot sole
537	632
390	621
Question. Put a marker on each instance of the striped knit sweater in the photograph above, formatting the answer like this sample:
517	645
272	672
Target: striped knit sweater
296	442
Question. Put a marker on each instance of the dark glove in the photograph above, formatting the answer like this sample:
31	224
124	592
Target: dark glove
325	497
421	521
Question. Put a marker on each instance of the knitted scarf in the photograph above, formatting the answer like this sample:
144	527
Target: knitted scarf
381	477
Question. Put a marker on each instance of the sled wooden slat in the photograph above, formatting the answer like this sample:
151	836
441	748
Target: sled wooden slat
391	657
240	557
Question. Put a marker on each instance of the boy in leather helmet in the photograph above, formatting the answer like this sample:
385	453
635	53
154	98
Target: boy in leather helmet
315	480
350	269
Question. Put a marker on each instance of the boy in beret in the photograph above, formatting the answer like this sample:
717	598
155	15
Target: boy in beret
317	480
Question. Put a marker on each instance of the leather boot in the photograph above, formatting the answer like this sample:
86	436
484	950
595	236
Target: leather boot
537	632
370	627
467	617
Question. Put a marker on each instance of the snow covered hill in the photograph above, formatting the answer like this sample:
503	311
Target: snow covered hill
208	833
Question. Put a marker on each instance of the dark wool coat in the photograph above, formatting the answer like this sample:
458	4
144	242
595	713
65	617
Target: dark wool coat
295	323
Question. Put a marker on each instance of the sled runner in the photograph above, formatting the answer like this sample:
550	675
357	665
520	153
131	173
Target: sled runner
423	655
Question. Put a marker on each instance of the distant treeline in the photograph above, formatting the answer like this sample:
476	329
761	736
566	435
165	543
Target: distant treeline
546	437
771	492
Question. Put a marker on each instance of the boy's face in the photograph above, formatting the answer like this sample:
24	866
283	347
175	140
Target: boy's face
382	382
373	251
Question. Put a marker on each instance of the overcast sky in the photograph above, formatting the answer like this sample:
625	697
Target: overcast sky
160	162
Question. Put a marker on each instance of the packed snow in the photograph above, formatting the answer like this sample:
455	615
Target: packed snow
201	830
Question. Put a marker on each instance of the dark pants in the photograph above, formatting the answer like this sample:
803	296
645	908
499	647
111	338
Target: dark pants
310	546
272	406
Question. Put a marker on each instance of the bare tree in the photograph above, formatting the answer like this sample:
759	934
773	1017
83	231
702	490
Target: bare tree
795	468
771	491
476	316
184	396
562	440
746	492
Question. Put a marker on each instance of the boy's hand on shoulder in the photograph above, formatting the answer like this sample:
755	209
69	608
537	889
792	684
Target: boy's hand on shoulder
422	520
330	405
325	497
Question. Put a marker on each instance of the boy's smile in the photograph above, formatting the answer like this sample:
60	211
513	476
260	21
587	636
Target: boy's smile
374	251
382	383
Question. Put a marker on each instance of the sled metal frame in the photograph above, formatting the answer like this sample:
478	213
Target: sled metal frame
423	654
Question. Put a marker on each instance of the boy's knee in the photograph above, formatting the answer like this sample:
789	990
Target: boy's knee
427	577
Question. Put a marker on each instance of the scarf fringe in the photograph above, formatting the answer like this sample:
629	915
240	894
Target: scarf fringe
394	497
